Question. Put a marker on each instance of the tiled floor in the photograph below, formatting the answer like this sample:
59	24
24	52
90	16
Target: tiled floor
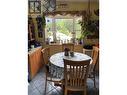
36	86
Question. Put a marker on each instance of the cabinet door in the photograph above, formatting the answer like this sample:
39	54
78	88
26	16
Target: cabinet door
32	65
34	62
39	58
78	48
55	49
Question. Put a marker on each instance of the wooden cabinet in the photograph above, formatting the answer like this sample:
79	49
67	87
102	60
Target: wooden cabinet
78	48
34	61
87	51
55	48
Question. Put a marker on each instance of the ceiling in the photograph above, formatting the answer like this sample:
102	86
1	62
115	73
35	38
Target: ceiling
77	0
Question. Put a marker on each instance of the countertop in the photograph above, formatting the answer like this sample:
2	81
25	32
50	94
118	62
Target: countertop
34	49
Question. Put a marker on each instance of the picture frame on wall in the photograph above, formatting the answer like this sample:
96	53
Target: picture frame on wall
34	7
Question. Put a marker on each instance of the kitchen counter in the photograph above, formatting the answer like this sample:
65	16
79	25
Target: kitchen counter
34	50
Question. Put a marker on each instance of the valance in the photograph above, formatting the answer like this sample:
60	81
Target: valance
64	13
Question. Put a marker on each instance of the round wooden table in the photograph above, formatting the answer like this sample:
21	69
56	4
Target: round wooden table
57	59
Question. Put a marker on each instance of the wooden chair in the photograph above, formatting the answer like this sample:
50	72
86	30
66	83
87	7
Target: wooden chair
68	45
48	69
95	58
75	74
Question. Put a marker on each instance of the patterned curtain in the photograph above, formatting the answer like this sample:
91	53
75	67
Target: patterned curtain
64	13
48	5
40	6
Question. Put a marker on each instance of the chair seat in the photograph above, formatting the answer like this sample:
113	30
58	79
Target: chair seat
75	88
54	79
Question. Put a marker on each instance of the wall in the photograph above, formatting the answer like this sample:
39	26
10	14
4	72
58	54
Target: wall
77	6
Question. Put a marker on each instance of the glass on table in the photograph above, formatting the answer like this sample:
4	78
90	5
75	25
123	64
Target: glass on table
71	53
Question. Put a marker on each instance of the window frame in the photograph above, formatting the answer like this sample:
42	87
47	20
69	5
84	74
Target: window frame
53	26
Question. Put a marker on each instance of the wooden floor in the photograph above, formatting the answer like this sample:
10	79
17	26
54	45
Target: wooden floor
36	86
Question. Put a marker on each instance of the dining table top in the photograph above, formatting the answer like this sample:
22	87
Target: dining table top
57	59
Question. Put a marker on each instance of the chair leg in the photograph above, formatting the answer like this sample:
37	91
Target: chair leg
85	91
65	92
94	82
45	85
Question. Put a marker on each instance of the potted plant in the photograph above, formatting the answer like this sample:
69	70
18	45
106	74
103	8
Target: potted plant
89	26
43	22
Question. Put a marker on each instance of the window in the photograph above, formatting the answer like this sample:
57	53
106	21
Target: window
62	29
77	27
49	29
